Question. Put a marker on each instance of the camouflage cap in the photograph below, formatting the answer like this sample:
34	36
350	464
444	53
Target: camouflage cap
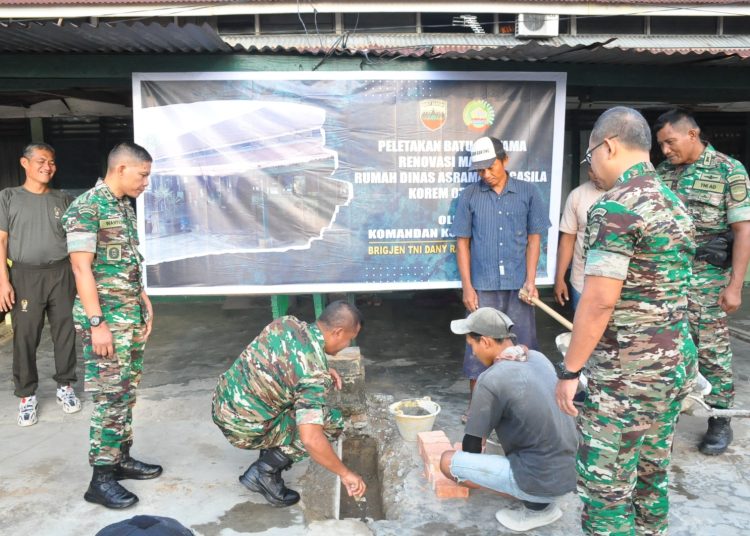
484	321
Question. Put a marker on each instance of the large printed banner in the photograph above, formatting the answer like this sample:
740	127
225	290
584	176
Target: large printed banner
284	182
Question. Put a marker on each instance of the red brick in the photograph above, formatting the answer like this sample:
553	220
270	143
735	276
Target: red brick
431	437
436	448
431	458
433	466
431	448
454	492
430	471
434	452
427	438
438	436
441	480
446	488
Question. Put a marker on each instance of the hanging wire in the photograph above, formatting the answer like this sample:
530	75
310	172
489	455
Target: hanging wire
299	16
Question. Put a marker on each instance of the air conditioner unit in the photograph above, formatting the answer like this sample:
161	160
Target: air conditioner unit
537	25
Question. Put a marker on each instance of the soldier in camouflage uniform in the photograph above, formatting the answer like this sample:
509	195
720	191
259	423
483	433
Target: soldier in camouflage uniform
714	187
273	399
113	316
631	332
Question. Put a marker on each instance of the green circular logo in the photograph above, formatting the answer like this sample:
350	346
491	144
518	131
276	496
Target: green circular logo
478	115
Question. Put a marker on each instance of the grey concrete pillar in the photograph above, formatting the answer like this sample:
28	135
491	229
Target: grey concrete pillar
351	398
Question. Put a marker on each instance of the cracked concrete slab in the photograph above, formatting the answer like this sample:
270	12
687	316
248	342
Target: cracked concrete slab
409	352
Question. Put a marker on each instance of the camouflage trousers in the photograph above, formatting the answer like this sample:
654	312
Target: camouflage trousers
113	383
280	431
622	466
708	326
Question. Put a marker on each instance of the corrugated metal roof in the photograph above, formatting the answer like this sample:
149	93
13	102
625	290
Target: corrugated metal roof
156	38
595	53
562	49
417	4
47	37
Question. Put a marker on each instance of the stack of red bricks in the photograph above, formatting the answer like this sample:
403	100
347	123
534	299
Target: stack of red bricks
431	447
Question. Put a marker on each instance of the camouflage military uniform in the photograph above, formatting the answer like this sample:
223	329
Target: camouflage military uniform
645	362
97	222
278	383
715	191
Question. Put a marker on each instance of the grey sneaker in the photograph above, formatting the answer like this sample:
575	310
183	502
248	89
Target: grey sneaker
66	397
27	411
525	519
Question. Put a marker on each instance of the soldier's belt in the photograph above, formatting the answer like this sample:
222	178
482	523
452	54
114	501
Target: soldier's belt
717	251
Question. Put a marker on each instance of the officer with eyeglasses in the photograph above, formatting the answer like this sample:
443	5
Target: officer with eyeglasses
631	333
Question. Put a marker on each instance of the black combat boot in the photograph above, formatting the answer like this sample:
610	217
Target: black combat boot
718	436
130	468
107	491
264	477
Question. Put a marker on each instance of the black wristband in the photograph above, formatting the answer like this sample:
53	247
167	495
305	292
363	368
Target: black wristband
565	374
471	444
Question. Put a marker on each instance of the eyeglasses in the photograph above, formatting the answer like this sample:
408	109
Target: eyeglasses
587	157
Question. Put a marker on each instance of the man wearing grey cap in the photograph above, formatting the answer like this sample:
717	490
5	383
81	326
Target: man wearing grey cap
498	227
514	397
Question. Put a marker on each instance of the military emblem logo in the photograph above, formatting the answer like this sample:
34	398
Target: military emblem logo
738	188
478	115
595	223
433	113
58	213
24	306
114	252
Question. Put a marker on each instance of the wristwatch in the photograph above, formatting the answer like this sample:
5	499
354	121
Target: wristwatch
565	374
95	320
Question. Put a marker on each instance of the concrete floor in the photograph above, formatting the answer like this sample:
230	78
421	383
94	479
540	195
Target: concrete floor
408	352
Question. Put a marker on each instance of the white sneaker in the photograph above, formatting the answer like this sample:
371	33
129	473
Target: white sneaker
27	411
525	519
66	397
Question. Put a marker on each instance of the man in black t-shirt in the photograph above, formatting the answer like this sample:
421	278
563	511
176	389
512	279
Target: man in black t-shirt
515	398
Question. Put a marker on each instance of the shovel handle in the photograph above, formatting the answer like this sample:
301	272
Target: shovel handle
547	309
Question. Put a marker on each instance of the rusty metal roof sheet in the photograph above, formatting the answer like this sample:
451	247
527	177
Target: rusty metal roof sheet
562	49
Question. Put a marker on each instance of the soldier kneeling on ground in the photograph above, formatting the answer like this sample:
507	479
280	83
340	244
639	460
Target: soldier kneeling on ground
514	397
273	399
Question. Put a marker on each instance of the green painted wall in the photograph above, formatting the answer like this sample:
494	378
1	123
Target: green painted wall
600	82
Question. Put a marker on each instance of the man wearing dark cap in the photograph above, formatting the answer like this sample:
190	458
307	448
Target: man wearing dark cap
498	227
514	397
